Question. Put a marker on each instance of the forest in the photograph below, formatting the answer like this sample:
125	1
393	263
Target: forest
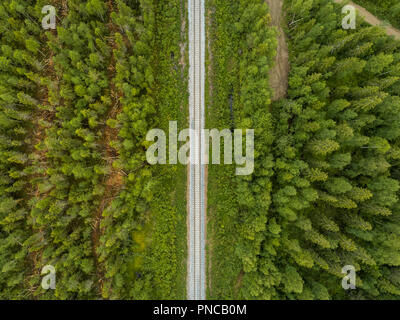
336	176
326	190
77	193
242	51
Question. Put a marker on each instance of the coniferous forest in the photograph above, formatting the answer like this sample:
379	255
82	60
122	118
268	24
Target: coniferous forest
325	190
77	193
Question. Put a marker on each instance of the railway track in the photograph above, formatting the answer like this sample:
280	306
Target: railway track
196	232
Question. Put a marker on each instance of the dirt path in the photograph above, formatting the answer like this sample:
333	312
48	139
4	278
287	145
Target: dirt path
373	20
114	180
279	74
